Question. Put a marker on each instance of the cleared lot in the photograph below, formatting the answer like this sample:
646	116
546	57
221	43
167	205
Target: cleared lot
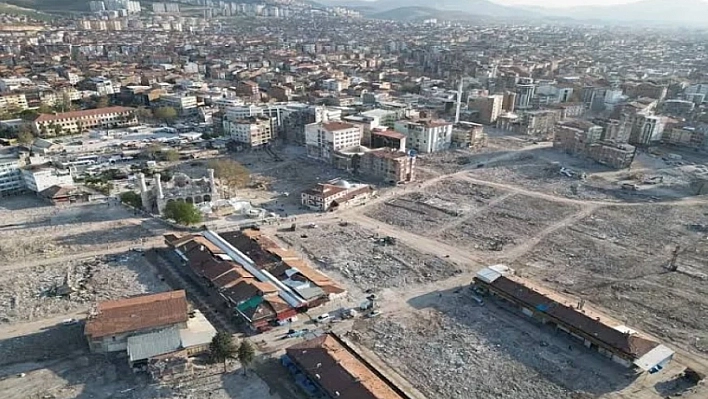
359	256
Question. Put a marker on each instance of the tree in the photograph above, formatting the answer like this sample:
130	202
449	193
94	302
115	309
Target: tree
182	213
167	114
28	114
102	102
230	172
25	137
169	155
222	348
132	198
144	114
246	354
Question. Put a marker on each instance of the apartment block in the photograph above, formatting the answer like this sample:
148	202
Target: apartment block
426	136
253	131
325	138
388	165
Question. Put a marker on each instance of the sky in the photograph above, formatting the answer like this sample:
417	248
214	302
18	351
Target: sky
564	3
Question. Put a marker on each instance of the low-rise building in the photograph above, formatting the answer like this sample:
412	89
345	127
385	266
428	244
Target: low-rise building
334	195
389	165
80	121
13	102
327	366
686	136
612	340
10	172
38	178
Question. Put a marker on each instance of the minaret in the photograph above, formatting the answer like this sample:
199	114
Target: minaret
144	194
158	185
212	185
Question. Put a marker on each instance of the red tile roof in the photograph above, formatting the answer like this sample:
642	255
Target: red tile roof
79	114
138	313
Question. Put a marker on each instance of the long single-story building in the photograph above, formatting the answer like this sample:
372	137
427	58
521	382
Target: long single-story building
614	341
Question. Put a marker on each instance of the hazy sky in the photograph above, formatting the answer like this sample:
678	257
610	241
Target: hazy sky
565	3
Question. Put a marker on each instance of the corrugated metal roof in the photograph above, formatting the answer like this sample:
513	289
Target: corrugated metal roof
657	356
145	346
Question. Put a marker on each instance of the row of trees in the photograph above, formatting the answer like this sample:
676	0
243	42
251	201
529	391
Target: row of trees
223	348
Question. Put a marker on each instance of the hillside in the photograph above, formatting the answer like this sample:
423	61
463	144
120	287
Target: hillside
414	14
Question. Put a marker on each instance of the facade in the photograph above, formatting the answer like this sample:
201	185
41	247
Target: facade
13	101
184	104
389	139
686	136
254	131
468	135
80	121
572	136
334	195
10	173
489	108
616	342
426	136
524	96
325	138
326	366
37	178
388	165
647	129
539	124
612	154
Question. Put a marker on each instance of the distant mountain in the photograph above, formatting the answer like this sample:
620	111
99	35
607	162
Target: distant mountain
472	7
693	12
51	5
416	14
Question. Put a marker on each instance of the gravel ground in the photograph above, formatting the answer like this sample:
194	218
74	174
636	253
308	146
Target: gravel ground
460	350
26	294
353	252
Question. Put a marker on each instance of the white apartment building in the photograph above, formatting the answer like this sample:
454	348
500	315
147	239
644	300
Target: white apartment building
253	131
185	105
10	176
426	136
76	121
324	139
10	84
39	178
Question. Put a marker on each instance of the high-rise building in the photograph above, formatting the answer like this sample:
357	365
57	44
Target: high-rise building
524	95
489	108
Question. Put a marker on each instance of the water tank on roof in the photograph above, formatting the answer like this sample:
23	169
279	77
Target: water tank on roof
343	183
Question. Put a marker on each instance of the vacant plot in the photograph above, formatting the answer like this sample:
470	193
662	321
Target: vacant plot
440	204
369	262
461	350
508	223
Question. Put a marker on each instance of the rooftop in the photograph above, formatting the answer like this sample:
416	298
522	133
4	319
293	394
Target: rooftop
138	313
80	114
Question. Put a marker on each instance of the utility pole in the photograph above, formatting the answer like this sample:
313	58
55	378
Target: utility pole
672	264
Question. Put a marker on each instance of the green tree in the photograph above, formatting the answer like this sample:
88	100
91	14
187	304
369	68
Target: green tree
25	137
182	213
28	114
167	114
246	354
230	172
132	198
144	114
102	102
45	109
222	348
169	155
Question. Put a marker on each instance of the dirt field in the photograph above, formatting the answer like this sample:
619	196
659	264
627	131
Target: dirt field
355	254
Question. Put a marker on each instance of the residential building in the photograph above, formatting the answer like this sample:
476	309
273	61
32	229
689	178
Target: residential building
489	108
10	173
540	124
12	84
252	132
80	121
425	135
325	138
334	195
524	96
574	135
646	128
388	138
101	85
613	340
326	366
13	102
613	154
38	178
686	136
468	135
389	165
184	104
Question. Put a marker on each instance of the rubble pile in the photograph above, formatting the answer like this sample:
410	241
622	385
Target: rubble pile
367	260
45	291
468	351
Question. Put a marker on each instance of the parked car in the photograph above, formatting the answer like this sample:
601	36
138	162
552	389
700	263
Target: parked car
324	317
68	322
296	333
